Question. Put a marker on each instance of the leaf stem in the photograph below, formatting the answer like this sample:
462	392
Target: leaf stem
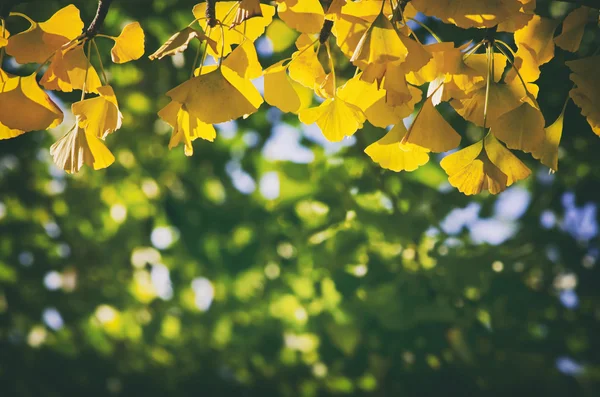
87	69
196	60
331	65
427	28
512	64
490	53
18	14
99	61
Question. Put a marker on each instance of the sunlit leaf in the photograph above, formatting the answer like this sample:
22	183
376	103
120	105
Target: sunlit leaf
129	45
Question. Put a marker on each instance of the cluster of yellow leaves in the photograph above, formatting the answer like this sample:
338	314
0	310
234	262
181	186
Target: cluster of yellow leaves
494	90
391	64
60	41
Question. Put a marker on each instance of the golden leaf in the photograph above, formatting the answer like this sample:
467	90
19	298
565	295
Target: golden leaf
129	45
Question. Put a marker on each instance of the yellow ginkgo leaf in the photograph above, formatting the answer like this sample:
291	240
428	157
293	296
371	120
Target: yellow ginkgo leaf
435	66
470	13
306	16
547	152
129	45
8	133
99	116
507	162
179	42
371	100
396	88
336	118
502	99
471	171
393	155
352	22
67	72
78	147
244	61
431	131
283	92
573	27
306	69
516	22
537	35
586	93
521	128
380	44
25	106
37	43
525	62
247	9
186	127
217	96
250	29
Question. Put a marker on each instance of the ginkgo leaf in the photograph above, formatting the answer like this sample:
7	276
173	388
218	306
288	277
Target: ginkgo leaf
502	99
435	66
244	61
336	118
306	16
507	162
537	35
37	43
547	152
586	93
247	9
250	29
470	13
352	23
99	116
379	44
217	96
78	147
521	128
431	131
129	45
525	62
371	101
283	92
471	171
186	127
306	69
393	155
8	133
67	72
179	42
25	106
573	27
516	22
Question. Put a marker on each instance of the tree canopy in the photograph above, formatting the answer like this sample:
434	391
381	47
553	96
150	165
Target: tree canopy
374	206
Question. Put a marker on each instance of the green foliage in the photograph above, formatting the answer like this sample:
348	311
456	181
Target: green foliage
345	284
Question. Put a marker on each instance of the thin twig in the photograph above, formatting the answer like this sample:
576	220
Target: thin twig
98	21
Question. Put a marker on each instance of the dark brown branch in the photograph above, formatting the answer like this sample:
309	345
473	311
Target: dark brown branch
96	25
490	34
211	13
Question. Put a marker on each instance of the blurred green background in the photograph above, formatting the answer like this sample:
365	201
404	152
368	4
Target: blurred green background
274	263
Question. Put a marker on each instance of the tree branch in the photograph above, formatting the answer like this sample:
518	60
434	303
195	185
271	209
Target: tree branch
96	25
211	13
